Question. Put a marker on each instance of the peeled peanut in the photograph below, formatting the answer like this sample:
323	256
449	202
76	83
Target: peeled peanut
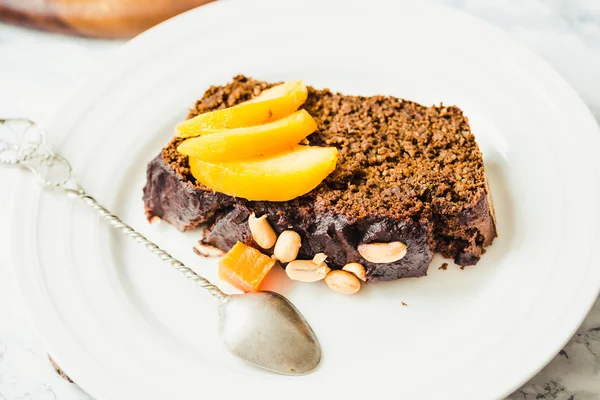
319	258
261	230
343	282
381	253
357	269
306	271
287	246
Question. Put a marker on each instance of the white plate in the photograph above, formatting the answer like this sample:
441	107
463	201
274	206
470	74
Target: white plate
125	326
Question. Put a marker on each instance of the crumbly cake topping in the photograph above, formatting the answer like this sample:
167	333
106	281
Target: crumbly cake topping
396	158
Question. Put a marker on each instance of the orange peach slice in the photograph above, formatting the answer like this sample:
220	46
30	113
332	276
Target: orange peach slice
245	267
253	141
279	177
272	104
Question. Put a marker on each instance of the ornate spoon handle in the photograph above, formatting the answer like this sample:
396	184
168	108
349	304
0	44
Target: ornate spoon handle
54	171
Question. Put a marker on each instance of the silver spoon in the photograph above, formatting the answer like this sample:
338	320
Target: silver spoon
263	328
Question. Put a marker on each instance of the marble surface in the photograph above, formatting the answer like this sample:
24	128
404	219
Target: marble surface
38	70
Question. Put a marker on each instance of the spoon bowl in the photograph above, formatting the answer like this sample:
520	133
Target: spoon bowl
265	329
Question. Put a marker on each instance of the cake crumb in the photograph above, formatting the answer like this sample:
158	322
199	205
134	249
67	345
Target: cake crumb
462	267
444	266
59	371
206	250
404	304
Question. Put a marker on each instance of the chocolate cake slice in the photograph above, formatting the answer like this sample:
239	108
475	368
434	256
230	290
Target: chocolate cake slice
405	173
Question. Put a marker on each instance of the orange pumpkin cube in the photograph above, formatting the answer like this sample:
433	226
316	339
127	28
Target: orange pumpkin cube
245	267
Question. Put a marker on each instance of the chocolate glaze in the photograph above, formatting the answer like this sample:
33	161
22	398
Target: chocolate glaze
186	206
179	203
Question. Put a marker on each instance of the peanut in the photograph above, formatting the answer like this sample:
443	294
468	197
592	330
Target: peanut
381	253
306	271
261	230
343	282
357	269
287	246
319	258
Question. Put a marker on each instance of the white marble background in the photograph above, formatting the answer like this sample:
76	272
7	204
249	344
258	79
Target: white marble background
37	71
